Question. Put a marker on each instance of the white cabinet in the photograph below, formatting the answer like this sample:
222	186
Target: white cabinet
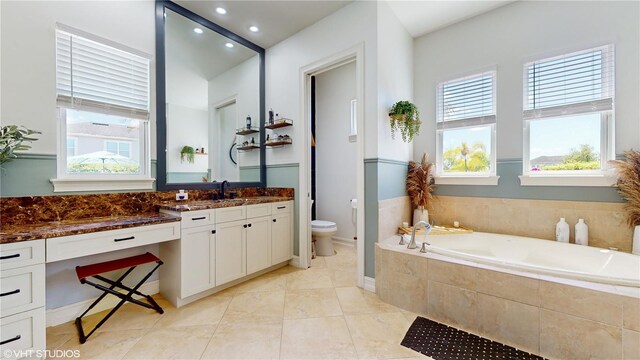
22	298
258	244
231	243
281	238
198	256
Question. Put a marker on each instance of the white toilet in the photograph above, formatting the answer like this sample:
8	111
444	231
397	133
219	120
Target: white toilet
322	231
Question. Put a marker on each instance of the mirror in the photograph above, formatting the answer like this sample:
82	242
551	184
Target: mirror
210	99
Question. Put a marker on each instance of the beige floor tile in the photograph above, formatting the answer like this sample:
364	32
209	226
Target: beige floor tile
109	345
317	338
379	335
266	306
54	341
309	279
318	262
245	340
265	282
207	311
128	317
346	277
185	342
341	260
308	303
630	344
285	270
354	300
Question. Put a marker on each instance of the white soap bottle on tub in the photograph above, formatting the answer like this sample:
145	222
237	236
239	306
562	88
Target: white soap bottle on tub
562	231
582	233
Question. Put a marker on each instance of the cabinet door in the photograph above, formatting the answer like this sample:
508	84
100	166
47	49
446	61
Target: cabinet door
231	244
281	238
258	244
198	259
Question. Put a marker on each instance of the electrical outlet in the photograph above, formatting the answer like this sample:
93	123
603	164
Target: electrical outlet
182	196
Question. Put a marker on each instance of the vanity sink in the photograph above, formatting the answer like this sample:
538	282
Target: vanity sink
222	203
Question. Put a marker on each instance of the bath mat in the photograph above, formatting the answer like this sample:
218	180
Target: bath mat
442	342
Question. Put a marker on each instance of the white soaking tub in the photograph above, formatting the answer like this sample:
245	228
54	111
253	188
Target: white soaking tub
530	255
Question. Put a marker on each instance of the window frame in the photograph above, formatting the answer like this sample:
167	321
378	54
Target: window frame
600	177
71	182
467	178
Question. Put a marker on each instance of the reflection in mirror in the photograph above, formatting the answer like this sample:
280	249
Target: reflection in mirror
212	93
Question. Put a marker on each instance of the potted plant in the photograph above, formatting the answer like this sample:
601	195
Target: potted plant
405	118
629	189
420	184
12	139
189	153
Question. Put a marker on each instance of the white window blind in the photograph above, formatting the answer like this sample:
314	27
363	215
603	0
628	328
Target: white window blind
575	83
92	76
468	101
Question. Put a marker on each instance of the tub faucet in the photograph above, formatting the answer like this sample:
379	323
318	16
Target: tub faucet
427	229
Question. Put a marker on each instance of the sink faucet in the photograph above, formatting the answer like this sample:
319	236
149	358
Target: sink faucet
427	229
224	184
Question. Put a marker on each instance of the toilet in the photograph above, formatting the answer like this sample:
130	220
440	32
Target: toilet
322	231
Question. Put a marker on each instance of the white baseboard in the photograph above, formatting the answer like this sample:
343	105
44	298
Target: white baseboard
295	261
344	241
370	284
70	312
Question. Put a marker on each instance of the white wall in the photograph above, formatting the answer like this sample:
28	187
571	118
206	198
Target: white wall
395	80
508	37
187	127
225	169
28	82
336	156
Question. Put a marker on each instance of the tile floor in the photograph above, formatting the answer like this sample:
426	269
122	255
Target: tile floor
288	314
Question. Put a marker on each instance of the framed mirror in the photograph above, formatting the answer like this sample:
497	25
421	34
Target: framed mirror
210	103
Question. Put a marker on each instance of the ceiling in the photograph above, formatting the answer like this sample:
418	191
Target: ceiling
277	20
421	17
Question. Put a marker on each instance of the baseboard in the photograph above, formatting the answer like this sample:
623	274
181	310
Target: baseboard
370	284
343	241
295	261
70	312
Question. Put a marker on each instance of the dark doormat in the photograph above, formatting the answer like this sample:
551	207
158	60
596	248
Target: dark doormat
443	342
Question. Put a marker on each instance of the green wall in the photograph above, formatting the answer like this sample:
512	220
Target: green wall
288	175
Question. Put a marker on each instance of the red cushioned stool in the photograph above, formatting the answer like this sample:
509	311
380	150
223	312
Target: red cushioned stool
95	270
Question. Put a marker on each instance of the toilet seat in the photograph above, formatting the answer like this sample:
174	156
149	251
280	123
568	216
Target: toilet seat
322	224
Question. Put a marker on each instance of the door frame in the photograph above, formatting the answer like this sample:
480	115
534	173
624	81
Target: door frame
354	54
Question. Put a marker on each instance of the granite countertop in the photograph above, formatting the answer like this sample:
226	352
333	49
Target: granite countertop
215	204
17	233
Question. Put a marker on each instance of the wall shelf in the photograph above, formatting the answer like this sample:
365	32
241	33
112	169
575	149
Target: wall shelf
245	131
248	147
280	123
278	143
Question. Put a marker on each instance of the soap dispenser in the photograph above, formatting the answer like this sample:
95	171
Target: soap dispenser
582	233
562	231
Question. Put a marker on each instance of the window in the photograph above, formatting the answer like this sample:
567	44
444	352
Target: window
103	110
568	113
466	121
353	132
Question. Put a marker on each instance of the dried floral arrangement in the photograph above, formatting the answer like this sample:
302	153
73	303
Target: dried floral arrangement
629	184
420	181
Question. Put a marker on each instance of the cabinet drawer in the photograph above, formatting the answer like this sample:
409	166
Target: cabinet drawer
254	211
68	247
20	254
23	331
234	213
197	218
22	289
281	207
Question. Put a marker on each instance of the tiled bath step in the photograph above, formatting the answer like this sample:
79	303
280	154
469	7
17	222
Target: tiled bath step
443	342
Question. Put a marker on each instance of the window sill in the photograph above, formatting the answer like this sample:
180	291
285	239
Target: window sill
567	180
76	185
467	180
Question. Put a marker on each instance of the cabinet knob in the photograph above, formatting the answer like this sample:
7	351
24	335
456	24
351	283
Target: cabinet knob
249	225
244	226
274	220
213	231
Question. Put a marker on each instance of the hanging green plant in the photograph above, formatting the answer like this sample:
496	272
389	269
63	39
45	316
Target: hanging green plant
405	118
12	138
189	153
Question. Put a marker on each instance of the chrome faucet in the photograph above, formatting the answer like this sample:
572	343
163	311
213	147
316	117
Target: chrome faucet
427	229
224	184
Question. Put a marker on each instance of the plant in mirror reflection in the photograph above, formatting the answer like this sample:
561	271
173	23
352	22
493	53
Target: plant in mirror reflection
12	139
187	152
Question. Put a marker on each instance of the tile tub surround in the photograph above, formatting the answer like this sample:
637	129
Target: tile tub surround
391	214
535	218
43	209
553	320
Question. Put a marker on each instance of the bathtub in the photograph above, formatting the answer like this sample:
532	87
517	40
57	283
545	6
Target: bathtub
533	256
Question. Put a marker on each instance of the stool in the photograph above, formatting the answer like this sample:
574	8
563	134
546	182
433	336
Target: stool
94	270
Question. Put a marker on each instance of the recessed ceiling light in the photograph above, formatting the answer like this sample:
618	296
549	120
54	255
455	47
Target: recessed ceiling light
221	11
197	30
229	45
253	28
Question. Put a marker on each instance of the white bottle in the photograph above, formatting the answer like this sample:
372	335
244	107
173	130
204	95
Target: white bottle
582	233
562	231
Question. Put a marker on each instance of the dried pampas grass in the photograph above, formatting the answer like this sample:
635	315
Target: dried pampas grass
629	184
420	181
